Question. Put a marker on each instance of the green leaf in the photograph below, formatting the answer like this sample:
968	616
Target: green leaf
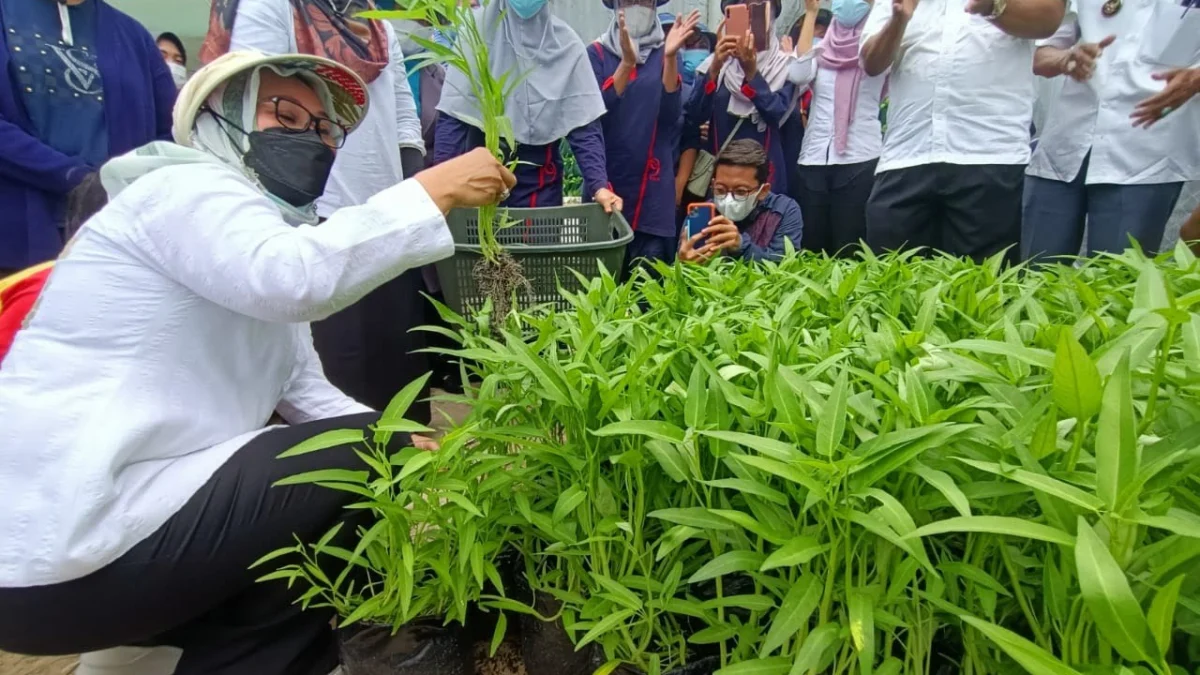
663	431
713	634
1031	657
778	450
401	402
605	625
798	605
808	657
1176	520
1015	527
324	441
797	551
728	563
973	573
498	633
415	464
832	425
693	517
673	539
608	668
618	593
669	458
1109	599
567	502
1042	483
788	472
754	603
776	665
750	487
1076	380
1162	613
1117	460
944	483
324	476
862	629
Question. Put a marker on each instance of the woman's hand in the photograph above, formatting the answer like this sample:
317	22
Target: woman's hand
424	443
1182	85
722	235
467	181
681	30
747	56
629	52
609	200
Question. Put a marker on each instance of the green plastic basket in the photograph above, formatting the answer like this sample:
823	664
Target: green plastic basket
547	242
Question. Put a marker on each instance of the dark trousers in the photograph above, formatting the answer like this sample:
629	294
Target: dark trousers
646	248
1057	212
964	210
189	584
370	351
833	200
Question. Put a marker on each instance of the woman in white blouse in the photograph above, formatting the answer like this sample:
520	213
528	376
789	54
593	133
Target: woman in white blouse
368	347
843	139
136	463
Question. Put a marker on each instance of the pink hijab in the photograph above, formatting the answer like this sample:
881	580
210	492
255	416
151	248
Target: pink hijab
840	53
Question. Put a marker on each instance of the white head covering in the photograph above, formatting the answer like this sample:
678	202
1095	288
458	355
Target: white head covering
555	90
611	39
229	87
773	65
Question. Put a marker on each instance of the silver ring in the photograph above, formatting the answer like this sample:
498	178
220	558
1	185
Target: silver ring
1167	110
505	195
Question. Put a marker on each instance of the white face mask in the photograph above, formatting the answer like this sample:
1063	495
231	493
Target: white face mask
178	72
736	209
640	21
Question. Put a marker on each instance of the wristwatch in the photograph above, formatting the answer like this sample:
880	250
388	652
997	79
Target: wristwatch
998	7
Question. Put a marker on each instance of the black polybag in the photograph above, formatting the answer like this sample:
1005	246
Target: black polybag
423	647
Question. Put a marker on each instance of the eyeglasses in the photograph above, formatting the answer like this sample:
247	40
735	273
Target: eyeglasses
295	117
740	194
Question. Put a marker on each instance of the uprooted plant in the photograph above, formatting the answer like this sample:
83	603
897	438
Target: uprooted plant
498	274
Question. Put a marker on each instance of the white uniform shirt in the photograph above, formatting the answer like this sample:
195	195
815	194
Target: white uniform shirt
865	137
961	89
163	340
370	160
1094	115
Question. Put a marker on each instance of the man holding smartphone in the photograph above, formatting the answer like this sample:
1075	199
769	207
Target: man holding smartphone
753	222
952	169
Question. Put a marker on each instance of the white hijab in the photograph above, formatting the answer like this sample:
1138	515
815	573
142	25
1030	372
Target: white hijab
555	91
213	140
773	65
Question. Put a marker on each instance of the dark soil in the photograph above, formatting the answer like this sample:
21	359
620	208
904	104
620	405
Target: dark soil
501	279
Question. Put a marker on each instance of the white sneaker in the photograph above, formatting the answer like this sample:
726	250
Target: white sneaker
130	661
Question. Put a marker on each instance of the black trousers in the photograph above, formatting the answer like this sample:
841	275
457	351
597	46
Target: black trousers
972	211
370	351
833	200
189	584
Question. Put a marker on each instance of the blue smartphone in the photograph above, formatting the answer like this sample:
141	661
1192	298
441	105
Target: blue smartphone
698	218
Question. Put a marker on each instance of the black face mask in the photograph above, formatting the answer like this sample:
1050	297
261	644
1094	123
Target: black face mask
293	166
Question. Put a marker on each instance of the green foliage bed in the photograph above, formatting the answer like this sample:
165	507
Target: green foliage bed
879	465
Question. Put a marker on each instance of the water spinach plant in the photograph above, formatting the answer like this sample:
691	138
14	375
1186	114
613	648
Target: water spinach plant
888	464
498	274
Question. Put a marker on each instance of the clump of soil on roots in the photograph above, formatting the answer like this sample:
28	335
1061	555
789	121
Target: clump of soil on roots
500	280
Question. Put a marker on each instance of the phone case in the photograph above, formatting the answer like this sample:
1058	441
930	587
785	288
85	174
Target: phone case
760	25
737	20
698	218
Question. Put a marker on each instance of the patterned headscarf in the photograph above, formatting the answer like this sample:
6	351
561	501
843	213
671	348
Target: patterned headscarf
321	30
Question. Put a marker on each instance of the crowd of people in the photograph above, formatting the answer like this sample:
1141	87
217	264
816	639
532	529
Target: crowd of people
168	238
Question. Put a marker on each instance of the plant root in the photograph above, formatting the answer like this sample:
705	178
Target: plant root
501	280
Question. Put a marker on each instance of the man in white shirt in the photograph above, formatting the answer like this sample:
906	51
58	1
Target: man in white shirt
951	173
1092	165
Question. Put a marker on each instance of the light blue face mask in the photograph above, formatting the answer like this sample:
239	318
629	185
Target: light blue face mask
692	58
850	12
526	8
